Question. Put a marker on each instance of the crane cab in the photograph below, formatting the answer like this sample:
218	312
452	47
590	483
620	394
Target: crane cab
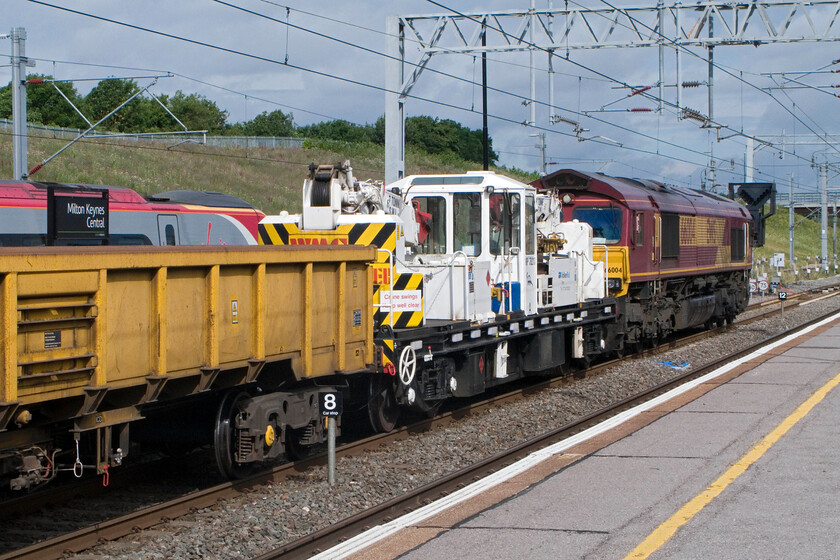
480	227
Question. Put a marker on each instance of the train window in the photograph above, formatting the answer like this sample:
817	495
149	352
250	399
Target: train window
639	228
737	244
169	232
431	219
670	236
605	222
22	240
505	222
466	214
530	238
129	239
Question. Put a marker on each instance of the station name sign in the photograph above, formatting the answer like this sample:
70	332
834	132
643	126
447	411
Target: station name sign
73	215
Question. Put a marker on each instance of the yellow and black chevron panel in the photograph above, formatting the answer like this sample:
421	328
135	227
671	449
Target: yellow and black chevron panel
290	234
407	294
388	354
381	235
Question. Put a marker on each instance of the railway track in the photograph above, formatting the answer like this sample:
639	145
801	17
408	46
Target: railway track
120	525
408	502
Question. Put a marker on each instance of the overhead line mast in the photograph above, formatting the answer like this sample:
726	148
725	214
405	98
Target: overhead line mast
747	23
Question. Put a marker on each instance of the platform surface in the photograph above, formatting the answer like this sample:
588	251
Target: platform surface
603	505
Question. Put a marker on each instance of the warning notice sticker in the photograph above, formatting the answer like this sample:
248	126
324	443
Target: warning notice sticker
402	300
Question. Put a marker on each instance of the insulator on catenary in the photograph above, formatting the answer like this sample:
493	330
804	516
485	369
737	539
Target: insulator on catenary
640	110
692	114
35	81
690	84
642	90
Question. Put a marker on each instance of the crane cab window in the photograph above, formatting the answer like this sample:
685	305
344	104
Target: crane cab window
605	222
530	226
466	213
430	212
505	222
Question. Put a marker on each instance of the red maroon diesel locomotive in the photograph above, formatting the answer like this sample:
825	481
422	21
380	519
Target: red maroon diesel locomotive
677	257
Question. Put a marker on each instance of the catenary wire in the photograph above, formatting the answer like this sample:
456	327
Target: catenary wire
359	83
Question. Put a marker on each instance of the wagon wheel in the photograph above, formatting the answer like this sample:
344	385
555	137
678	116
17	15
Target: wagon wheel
224	435
383	410
408	365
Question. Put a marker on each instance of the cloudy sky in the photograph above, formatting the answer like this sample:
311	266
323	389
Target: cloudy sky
252	61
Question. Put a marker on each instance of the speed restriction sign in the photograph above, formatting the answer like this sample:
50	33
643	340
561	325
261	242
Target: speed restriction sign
762	285
753	286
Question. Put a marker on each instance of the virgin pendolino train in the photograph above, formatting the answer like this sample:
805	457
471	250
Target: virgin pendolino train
176	217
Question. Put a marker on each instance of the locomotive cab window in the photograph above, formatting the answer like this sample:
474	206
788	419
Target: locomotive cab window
605	222
466	213
431	219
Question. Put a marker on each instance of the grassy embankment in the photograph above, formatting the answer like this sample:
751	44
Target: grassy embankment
807	247
271	179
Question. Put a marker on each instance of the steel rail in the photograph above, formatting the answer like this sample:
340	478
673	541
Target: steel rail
387	511
149	516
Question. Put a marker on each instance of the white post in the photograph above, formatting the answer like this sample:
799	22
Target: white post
533	21
824	216
712	134
394	102
790	219
19	147
660	40
551	111
331	450
749	161
678	65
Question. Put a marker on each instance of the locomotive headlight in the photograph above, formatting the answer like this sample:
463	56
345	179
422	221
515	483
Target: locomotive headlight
614	283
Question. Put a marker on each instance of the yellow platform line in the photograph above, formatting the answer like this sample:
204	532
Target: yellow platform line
664	532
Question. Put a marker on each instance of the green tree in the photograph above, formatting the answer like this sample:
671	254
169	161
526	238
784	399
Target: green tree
197	112
378	134
438	136
141	114
338	130
275	123
106	96
44	104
